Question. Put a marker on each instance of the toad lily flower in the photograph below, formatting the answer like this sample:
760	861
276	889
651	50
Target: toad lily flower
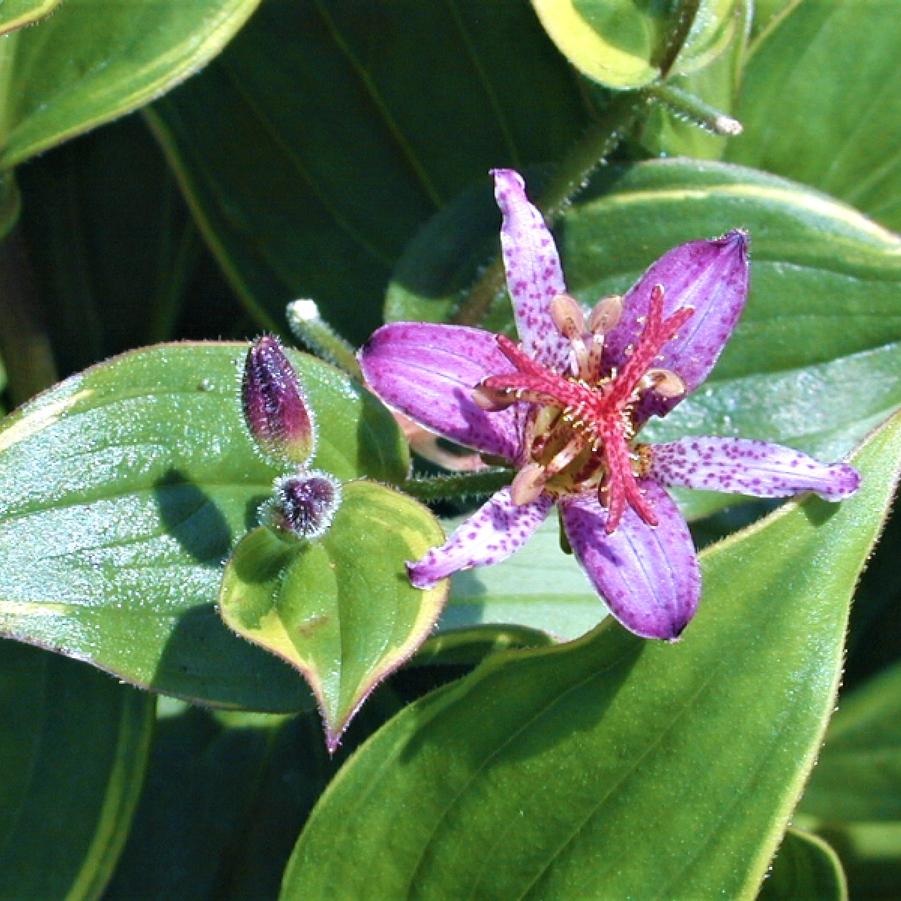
565	406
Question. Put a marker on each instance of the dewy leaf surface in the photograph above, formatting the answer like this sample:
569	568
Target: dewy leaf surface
341	610
85	65
821	102
815	362
329	131
73	752
544	773
122	491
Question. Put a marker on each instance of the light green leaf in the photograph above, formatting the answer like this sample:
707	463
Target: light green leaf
816	360
84	66
871	856
19	13
122	491
561	602
73	750
630	43
544	773
329	131
805	869
341	609
821	102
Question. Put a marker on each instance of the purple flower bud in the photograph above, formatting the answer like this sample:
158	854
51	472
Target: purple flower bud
275	408
304	504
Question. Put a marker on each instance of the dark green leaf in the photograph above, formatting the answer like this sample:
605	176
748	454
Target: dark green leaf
123	489
821	102
78	69
805	869
73	750
111	243
329	131
340	609
544	773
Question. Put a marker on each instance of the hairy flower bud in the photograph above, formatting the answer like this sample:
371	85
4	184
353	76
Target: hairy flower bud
275	407
303	505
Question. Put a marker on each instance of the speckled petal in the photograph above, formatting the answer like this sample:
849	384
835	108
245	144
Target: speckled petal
534	276
744	466
710	276
428	372
648	576
494	532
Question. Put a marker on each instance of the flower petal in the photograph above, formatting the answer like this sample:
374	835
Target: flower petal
648	576
428	371
710	276
534	276
744	466
491	534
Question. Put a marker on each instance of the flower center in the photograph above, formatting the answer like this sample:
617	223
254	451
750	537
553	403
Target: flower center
580	430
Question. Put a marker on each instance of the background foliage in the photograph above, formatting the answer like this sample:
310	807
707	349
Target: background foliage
338	150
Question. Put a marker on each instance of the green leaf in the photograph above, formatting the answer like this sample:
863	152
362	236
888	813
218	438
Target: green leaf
561	602
805	869
329	131
19	13
341	610
111	243
123	489
544	773
817	109
858	776
823	320
630	43
871	856
10	203
73	750
79	69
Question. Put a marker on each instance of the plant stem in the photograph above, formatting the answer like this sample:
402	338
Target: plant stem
569	178
695	110
24	343
448	487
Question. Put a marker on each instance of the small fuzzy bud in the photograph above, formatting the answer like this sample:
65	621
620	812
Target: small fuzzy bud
303	505
275	408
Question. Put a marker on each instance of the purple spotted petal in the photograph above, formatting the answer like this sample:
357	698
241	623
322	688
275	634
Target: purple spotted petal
491	534
534	276
428	371
749	467
649	577
712	277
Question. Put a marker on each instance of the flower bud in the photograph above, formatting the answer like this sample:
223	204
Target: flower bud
275	408
303	505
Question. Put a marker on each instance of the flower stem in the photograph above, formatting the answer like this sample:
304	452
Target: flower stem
695	110
316	334
449	487
569	178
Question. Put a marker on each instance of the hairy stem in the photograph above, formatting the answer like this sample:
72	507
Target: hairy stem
448	487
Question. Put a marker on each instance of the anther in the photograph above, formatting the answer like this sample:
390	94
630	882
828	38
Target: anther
606	315
664	382
567	316
492	399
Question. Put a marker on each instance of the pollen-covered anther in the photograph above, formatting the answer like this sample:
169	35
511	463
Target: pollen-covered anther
606	315
493	399
568	316
664	382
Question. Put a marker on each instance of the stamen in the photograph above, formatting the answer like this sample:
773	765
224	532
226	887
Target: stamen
567	316
664	382
492	399
528	484
606	315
